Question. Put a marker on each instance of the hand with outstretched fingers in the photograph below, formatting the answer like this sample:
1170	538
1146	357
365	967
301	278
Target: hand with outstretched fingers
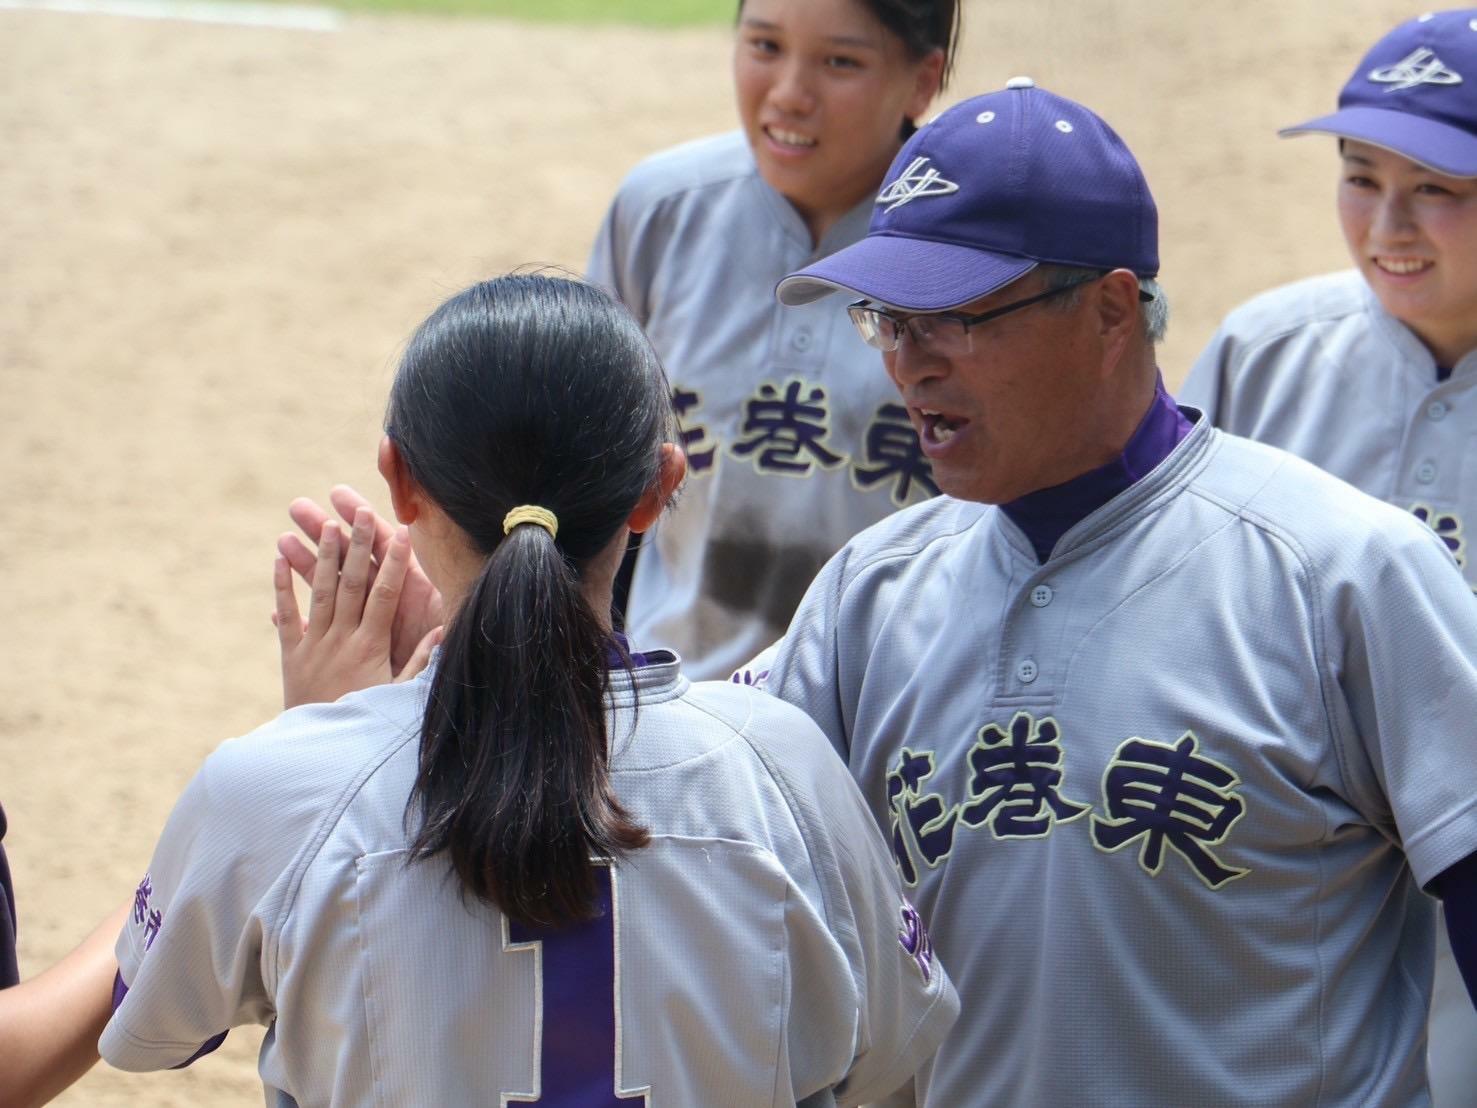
419	612
345	643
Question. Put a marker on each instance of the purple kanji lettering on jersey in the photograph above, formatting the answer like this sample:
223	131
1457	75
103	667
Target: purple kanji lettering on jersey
698	459
141	897
914	939
787	430
151	927
895	453
1448	527
931	823
1170	795
1016	779
578	1064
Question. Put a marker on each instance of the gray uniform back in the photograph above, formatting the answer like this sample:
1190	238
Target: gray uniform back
751	954
1168	798
794	435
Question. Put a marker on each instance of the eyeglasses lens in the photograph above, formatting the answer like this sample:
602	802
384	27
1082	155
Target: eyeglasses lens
938	335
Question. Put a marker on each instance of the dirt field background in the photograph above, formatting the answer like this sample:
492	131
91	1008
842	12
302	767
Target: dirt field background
213	240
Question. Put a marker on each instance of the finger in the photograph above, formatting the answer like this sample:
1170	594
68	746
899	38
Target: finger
384	598
285	615
422	655
354	579
301	557
325	582
347	502
309	515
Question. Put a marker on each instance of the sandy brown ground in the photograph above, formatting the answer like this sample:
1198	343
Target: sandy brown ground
213	239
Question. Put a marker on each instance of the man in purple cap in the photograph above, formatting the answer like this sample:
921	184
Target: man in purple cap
1372	373
1168	729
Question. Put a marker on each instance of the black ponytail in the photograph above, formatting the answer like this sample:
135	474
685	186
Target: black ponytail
526	390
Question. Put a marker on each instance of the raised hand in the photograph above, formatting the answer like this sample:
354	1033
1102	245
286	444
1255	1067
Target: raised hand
345	643
419	611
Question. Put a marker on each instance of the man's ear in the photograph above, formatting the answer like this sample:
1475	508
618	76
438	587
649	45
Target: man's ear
405	494
649	508
1119	319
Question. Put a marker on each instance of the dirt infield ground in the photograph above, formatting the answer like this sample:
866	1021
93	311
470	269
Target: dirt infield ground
212	240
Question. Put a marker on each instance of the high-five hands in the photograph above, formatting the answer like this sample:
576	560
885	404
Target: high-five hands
358	591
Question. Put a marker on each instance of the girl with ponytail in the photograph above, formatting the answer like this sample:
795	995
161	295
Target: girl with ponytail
497	881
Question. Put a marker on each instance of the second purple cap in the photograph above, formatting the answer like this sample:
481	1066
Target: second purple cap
984	193
1414	93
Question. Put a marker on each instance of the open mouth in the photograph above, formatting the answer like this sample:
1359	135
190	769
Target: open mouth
1402	267
939	428
792	139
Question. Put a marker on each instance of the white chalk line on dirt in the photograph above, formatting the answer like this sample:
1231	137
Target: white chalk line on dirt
283	16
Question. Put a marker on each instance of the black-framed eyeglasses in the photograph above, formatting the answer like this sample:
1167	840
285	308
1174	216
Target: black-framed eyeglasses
945	334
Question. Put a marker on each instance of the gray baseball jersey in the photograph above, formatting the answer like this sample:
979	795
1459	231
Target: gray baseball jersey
759	950
1321	369
1166	799
795	438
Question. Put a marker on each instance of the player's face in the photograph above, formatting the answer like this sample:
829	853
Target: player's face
1413	234
823	89
1018	412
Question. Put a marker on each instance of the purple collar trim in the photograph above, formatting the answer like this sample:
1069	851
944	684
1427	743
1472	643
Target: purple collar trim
619	649
1048	514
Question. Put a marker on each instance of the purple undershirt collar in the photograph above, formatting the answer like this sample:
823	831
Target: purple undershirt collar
619	649
1046	515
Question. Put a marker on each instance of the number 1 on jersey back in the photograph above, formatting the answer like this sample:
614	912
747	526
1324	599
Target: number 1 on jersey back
577	1030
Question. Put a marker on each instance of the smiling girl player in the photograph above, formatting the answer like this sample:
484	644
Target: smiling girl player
1372	373
794	435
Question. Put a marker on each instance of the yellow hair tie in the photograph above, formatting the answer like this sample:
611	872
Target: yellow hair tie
532	513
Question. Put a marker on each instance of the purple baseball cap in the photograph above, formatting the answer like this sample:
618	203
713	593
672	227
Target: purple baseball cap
1414	94
983	194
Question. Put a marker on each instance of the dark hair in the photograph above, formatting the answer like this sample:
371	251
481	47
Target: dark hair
526	390
920	25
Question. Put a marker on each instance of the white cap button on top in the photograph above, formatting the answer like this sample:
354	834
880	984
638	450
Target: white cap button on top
1425	473
985	117
1063	126
1041	595
1026	671
1437	410
1020	82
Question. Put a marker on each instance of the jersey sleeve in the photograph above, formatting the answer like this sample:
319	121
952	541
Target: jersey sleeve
904	999
622	259
804	667
1403	662
190	951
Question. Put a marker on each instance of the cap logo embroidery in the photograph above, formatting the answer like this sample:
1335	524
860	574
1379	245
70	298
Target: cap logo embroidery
1419	67
915	181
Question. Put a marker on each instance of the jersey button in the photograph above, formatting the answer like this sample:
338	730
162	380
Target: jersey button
1026	671
800	340
1041	595
1436	410
1425	473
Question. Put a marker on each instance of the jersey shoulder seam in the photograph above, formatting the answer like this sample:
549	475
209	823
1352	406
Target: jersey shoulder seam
1312	591
323	831
775	771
